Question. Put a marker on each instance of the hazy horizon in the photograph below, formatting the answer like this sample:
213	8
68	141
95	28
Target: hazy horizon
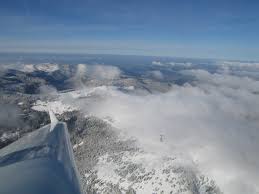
199	29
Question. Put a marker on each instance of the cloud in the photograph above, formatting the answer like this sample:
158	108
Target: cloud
244	69
99	72
6	66
239	64
224	81
102	72
213	122
80	74
9	116
48	90
158	63
174	64
156	74
94	72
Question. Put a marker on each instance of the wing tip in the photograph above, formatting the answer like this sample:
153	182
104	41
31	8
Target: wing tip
53	120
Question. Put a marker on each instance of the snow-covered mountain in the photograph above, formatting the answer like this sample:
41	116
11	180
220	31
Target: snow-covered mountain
45	67
124	167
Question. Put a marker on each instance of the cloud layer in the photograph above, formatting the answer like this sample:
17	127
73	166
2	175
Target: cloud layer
213	121
99	72
9	116
156	74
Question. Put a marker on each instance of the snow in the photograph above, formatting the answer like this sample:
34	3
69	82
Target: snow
6	136
45	67
75	146
81	143
129	88
58	107
155	183
148	173
145	172
87	92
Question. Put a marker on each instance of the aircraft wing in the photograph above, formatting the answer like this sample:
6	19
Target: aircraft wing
40	163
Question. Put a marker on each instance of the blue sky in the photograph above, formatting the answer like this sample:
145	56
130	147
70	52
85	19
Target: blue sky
181	28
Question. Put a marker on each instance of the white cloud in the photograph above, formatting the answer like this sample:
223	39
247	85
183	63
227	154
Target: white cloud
10	116
214	123
158	63
239	64
156	74
28	68
47	90
99	72
187	64
95	72
103	72
227	81
244	69
81	70
172	64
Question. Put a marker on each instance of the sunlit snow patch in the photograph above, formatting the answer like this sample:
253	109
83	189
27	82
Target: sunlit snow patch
149	173
45	67
56	106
